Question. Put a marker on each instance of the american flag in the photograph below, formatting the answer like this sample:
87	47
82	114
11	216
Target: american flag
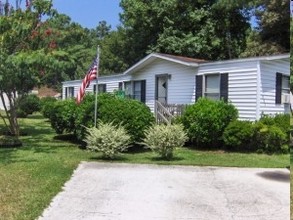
92	74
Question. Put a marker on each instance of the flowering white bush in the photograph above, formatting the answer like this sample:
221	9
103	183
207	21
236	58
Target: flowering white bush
107	139
164	139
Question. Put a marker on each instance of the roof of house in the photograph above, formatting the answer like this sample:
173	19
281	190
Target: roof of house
187	61
247	59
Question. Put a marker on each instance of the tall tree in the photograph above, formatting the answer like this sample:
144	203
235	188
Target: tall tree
271	34
103	29
194	28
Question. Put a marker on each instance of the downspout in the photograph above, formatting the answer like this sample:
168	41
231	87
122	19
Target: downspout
258	91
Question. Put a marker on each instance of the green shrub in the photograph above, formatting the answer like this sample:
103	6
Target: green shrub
84	116
28	104
164	139
20	113
47	105
238	136
62	116
269	139
132	114
9	141
107	139
280	120
206	120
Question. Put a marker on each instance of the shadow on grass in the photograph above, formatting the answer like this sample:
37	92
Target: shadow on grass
8	156
137	149
161	159
71	138
116	159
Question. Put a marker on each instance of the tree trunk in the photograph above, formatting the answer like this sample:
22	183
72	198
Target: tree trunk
11	113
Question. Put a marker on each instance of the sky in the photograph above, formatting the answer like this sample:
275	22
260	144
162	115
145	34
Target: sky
88	13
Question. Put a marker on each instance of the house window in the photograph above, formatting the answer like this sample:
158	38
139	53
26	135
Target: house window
102	88
134	89
69	92
128	89
212	86
137	90
285	85
282	88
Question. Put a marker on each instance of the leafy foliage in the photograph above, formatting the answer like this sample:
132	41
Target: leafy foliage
206	120
108	139
135	116
238	136
280	120
164	139
66	116
270	139
29	104
47	105
62	116
271	34
268	135
201	29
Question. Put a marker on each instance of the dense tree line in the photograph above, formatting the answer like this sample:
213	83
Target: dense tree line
208	29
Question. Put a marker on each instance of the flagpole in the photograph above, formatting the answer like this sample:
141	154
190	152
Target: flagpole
96	99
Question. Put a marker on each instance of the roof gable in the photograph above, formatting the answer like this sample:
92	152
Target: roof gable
172	58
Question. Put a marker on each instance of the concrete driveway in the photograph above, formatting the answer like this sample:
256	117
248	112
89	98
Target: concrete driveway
137	192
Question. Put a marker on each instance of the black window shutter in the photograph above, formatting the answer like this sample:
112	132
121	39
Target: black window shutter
72	91
224	86
143	91
66	92
120	86
198	87
105	88
278	88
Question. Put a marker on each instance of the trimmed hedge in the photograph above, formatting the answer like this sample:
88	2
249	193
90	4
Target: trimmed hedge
133	115
263	136
47	105
238	136
206	120
27	104
62	116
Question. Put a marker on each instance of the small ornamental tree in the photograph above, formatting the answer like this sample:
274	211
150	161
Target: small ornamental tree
18	48
29	53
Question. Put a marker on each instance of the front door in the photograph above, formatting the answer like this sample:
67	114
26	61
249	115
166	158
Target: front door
162	88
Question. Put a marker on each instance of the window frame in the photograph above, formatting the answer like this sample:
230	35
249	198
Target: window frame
217	94
69	92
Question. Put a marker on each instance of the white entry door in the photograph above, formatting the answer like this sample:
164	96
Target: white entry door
162	88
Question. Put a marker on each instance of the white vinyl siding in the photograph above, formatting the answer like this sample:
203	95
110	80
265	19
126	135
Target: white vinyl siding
111	83
180	82
268	85
242	85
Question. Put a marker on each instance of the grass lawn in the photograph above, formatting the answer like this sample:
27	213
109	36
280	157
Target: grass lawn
30	176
